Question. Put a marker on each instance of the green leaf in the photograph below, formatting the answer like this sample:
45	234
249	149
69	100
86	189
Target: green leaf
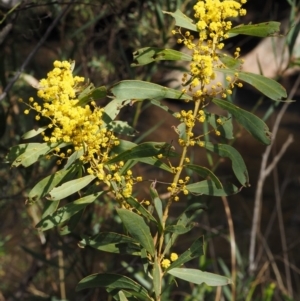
195	250
91	93
182	20
199	277
123	146
132	202
113	282
156	162
205	173
140	90
238	164
48	183
146	149
69	188
112	243
75	156
184	219
122	296
148	55
29	153
49	208
72	223
230	62
179	229
127	145
112	109
157	203
254	125
138	229
257	30
65	212
208	187
266	86
225	127
33	133
121	128
157	103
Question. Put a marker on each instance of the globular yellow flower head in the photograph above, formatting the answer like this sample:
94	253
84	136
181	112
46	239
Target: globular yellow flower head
165	263
81	127
174	256
71	123
212	19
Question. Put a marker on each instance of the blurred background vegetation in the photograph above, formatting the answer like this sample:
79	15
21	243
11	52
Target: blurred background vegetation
101	37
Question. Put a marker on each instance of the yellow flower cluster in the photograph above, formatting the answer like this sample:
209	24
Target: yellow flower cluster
211	21
175	189
167	262
81	127
71	123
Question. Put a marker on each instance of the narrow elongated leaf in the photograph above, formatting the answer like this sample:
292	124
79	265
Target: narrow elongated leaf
127	145
75	156
72	223
195	250
112	109
266	86
65	212
148	55
157	203
182	20
137	228
156	162
113	282
179	229
230	62
91	93
254	125
122	296
157	103
140	90
123	146
238	164
258	30
208	187
18	150
146	149
132	202
112	243
48	183
49	208
69	188
225	127
121	127
184	220
29	153
199	277
33	133
205	173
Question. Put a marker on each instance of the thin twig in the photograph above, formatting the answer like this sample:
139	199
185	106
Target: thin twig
34	51
232	247
61	272
264	172
282	233
218	293
273	264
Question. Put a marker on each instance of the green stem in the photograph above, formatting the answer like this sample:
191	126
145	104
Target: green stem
170	201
